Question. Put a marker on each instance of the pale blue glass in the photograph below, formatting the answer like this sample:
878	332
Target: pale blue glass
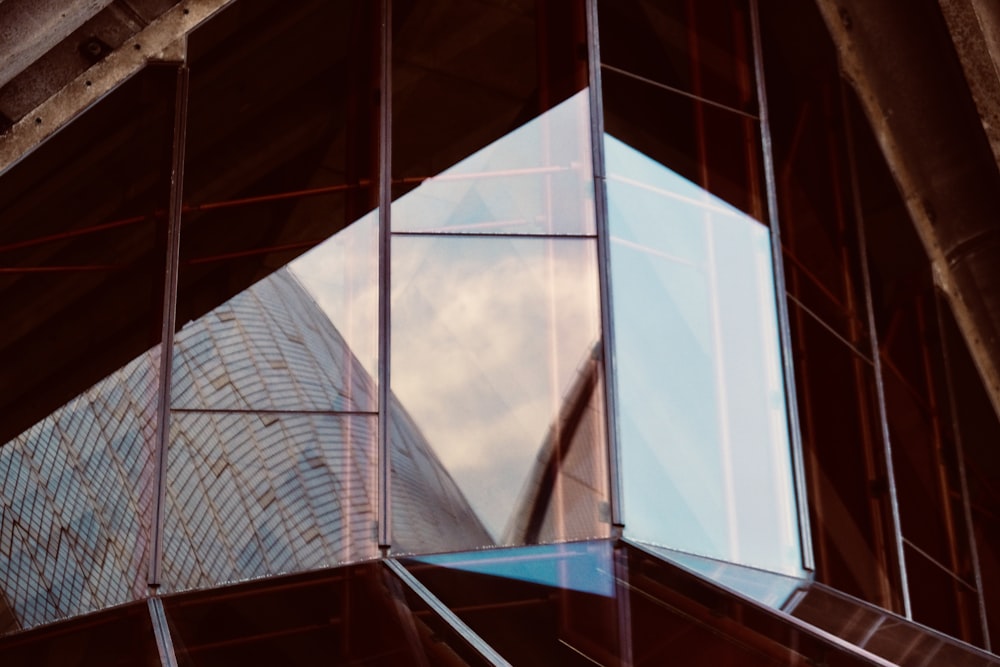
537	179
706	457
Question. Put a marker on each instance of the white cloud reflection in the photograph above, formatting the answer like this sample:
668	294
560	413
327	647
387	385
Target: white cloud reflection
487	332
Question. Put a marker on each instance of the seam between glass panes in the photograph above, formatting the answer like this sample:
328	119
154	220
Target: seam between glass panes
384	512
604	266
794	428
168	322
678	91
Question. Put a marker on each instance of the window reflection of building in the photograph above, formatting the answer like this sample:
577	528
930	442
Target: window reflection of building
279	491
557	285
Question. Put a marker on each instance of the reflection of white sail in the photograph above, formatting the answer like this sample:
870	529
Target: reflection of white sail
250	492
566	494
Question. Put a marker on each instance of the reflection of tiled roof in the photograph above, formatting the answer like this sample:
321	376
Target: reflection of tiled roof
264	476
566	493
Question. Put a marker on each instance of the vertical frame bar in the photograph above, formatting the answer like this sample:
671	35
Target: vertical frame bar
161	631
939	304
168	324
784	328
604	266
876	360
385	283
446	614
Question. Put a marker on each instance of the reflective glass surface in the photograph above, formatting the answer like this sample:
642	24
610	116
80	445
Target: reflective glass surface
597	603
75	499
493	359
278	346
705	450
341	275
357	615
120	637
842	449
715	148
885	634
702	48
466	73
281	143
537	179
768	588
255	494
81	288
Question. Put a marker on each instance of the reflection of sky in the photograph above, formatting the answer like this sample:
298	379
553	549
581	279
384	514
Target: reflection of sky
487	332
706	455
341	274
583	566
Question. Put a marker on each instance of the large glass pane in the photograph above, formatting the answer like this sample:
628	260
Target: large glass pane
547	605
715	148
82	256
276	346
883	633
75	501
705	449
537	179
768	588
844	462
594	603
356	615
255	494
702	48
282	139
466	73
493	363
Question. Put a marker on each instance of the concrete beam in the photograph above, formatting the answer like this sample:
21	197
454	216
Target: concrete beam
29	28
162	40
900	59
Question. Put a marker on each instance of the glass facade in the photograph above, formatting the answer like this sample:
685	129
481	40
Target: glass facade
464	332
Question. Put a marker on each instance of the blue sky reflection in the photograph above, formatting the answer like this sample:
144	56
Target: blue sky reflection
706	454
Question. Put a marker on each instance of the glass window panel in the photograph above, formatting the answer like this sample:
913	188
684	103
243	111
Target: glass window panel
883	633
467	72
282	142
355	615
304	338
941	599
255	494
493	364
82	250
717	149
703	48
594	603
923	501
122	637
844	461
537	179
546	605
703	417
75	493
765	587
815	192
